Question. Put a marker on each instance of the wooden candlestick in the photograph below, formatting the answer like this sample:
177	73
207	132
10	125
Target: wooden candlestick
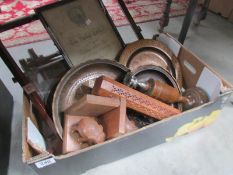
135	100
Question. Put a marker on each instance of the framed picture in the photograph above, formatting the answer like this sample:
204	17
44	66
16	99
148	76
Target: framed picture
82	30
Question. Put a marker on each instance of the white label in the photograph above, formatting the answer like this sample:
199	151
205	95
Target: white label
45	163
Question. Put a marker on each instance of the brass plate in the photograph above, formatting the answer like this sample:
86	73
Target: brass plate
151	52
78	81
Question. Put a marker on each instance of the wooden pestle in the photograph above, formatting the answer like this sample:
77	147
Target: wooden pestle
164	92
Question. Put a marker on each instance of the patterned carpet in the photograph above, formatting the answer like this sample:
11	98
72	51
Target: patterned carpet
141	10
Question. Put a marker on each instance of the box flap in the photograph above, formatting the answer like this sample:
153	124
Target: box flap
170	42
210	83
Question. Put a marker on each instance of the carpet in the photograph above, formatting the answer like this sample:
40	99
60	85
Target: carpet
141	10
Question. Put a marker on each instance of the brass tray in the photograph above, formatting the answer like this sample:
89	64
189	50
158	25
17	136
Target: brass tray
151	52
78	81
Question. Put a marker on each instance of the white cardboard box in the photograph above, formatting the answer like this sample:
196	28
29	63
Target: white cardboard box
146	137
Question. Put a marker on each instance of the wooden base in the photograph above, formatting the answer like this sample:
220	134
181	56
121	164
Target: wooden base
70	142
91	105
114	121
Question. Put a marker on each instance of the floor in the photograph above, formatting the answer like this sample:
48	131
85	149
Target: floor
207	151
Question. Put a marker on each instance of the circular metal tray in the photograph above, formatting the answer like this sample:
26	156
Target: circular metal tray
70	88
151	52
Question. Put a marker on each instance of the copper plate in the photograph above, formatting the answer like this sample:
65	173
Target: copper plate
78	81
151	52
197	97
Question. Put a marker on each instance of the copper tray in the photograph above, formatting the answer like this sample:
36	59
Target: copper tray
151	52
78	81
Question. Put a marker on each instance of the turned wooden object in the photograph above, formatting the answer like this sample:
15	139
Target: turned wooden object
92	105
196	96
135	100
164	92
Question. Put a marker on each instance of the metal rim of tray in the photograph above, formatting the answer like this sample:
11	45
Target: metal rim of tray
163	57
66	89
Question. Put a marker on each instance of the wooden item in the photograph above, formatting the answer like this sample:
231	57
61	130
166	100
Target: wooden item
143	80
53	141
91	105
164	20
223	7
70	88
44	72
90	131
71	143
134	100
163	92
114	121
86	31
191	98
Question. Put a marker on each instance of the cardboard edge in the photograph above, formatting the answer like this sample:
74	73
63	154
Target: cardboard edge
26	154
76	153
225	82
25	147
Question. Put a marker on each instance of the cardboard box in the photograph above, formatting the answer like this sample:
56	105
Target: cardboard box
231	17
224	7
193	71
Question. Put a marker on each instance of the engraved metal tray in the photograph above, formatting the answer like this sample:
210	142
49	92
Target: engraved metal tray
78	81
